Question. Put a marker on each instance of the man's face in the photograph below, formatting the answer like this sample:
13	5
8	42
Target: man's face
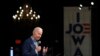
37	34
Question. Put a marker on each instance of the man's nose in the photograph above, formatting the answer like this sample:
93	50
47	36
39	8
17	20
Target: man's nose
39	35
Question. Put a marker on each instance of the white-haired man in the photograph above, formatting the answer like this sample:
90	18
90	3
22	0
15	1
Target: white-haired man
31	46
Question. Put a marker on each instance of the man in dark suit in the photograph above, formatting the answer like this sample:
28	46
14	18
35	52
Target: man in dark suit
31	46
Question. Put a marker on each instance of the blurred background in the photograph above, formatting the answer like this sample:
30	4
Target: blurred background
14	31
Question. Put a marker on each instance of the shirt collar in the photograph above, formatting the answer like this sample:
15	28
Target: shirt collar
33	38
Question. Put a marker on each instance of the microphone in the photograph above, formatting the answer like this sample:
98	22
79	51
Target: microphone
37	45
39	42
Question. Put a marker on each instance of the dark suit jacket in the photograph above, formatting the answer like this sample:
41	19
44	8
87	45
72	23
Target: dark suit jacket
28	48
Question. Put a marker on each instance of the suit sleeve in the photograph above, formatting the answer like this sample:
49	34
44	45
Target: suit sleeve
28	50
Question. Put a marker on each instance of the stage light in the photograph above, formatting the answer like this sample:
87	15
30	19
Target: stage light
79	8
26	12
31	18
17	11
18	18
81	5
26	6
92	3
20	7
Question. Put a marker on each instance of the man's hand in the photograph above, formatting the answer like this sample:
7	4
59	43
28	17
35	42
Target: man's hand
45	49
38	48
